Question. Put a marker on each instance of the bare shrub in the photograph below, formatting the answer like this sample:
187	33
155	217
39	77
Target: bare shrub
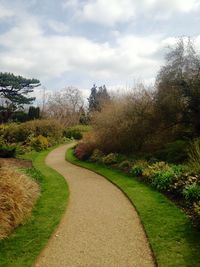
18	194
125	124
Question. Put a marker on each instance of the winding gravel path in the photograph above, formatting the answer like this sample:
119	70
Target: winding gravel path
100	226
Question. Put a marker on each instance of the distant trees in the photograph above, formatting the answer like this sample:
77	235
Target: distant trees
65	106
177	98
33	113
98	97
14	92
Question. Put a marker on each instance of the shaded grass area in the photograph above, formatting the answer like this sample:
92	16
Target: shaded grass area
173	239
82	128
25	244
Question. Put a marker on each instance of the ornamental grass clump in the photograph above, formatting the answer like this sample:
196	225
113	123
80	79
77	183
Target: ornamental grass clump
194	154
18	195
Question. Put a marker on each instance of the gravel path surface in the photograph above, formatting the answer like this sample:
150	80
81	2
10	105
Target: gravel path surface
100	226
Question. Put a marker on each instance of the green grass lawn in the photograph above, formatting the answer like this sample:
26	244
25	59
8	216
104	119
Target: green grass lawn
173	239
25	244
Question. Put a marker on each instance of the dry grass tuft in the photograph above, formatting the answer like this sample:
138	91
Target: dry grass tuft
18	194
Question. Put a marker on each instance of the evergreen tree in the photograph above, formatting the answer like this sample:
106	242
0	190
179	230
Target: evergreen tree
33	113
97	98
14	91
93	99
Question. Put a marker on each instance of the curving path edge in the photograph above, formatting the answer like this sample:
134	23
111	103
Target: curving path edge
100	226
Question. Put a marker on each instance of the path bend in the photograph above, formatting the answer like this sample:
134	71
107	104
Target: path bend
100	227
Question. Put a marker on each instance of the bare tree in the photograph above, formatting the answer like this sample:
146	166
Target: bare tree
65	106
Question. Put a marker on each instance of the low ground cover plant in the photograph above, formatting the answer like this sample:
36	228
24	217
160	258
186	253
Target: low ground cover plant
179	181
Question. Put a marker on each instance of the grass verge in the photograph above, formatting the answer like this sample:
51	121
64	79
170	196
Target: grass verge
174	241
25	244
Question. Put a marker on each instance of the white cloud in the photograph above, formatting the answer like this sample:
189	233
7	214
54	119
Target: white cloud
108	13
5	12
70	3
111	12
58	26
30	52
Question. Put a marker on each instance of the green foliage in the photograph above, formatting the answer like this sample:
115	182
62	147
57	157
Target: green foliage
33	113
125	165
19	116
192	192
136	170
39	143
14	132
175	152
110	159
183	180
15	89
97	98
82	128
138	167
72	133
162	180
159	175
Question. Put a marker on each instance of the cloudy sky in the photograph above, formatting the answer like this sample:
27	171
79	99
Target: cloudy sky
81	42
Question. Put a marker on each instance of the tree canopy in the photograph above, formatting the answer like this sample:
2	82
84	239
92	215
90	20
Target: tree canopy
14	90
178	88
98	97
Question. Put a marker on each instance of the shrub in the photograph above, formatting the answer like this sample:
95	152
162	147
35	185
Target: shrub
51	129
39	143
85	147
151	170
136	170
161	180
110	159
125	165
124	124
97	156
174	152
73	133
160	175
138	167
14	133
181	181
7	151
18	194
192	192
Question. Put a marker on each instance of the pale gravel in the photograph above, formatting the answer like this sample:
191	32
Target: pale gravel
100	226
